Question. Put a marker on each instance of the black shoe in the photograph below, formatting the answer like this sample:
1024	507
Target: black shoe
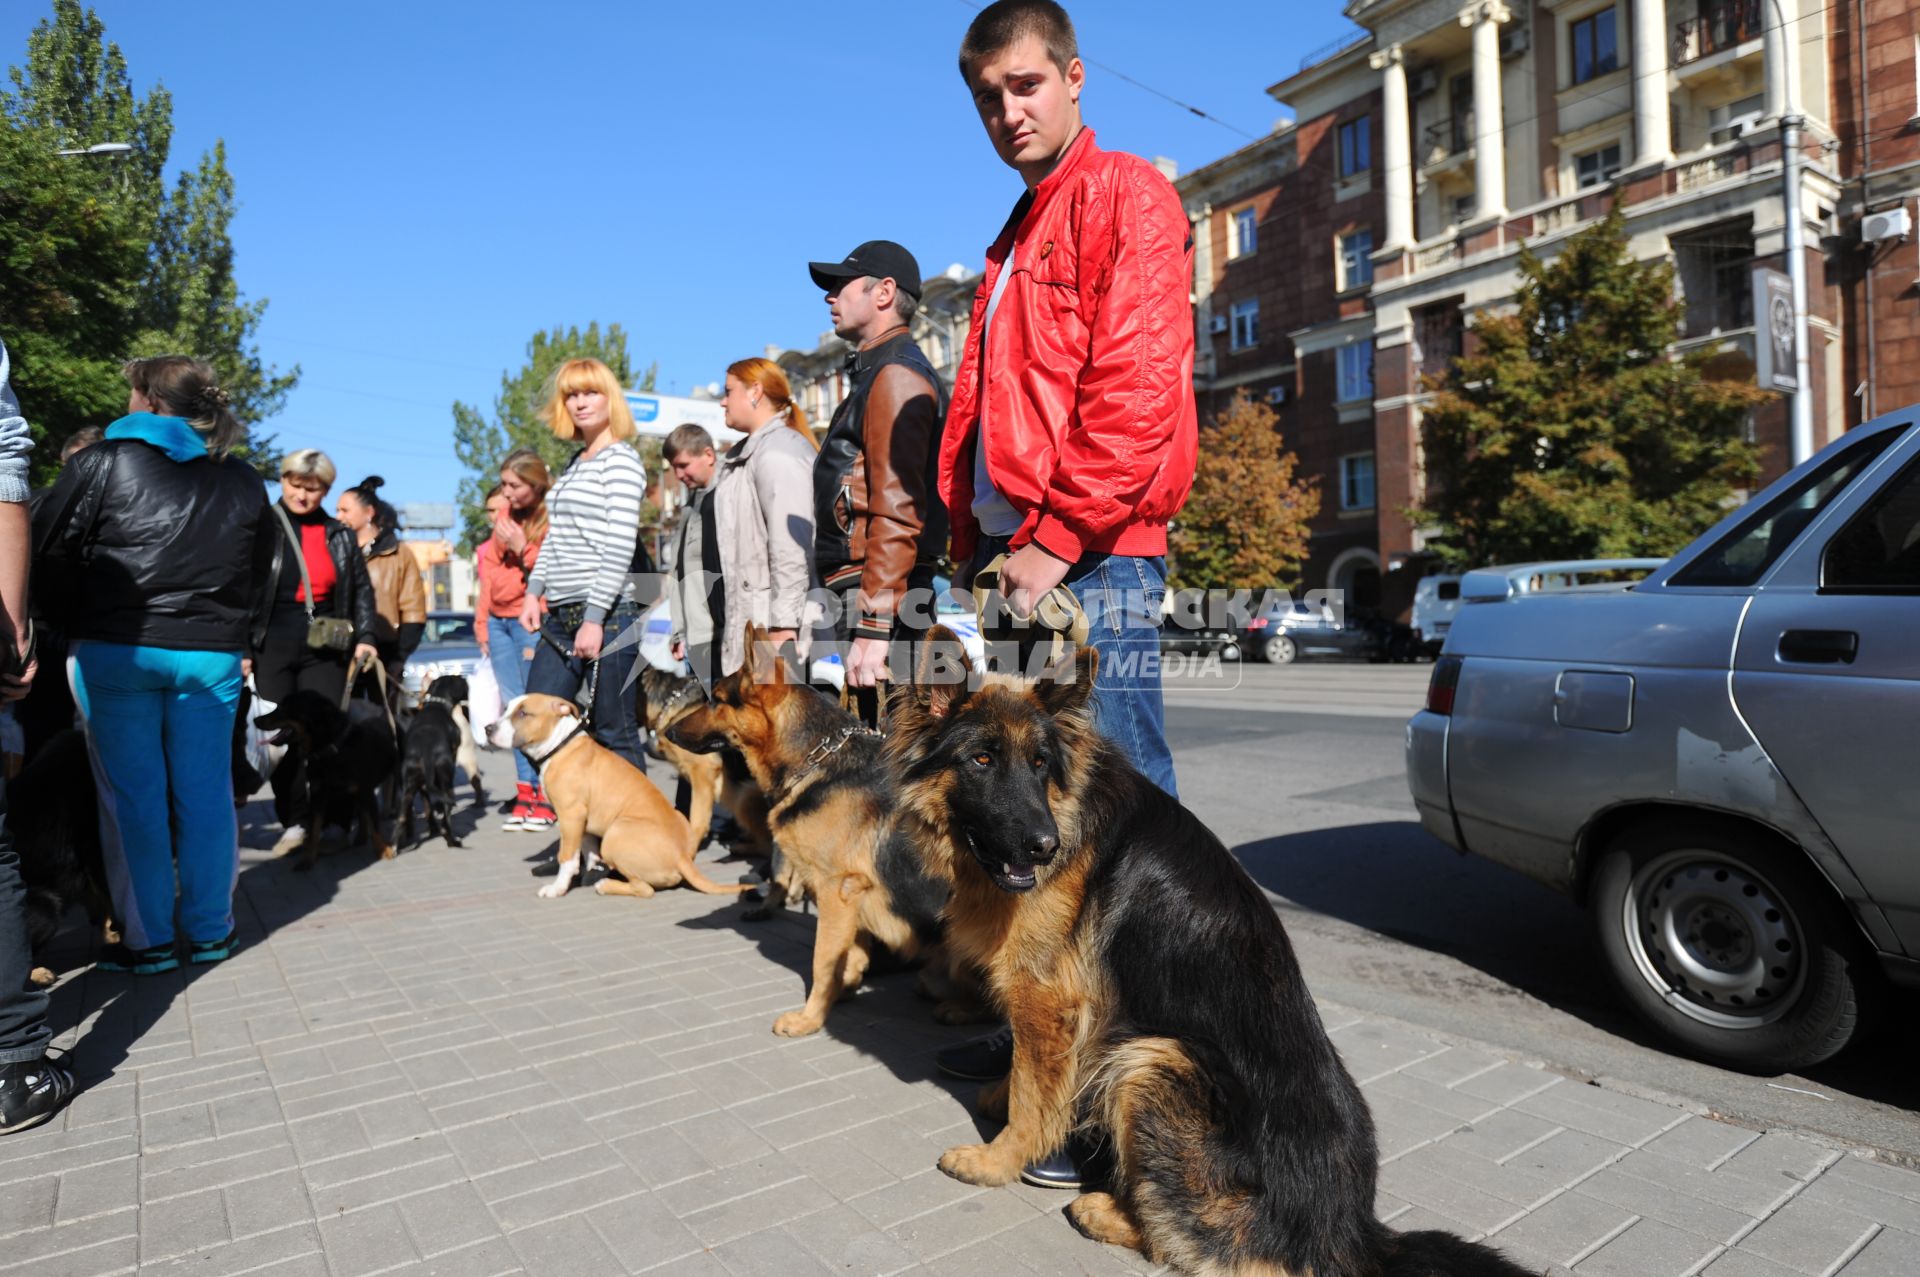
204	951
119	958
1055	1171
985	1059
31	1091
545	869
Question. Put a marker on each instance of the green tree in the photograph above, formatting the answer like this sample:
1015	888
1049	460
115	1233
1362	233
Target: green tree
519	420
176	293
1573	431
1245	523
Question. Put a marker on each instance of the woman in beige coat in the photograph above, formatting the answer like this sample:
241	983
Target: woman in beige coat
763	512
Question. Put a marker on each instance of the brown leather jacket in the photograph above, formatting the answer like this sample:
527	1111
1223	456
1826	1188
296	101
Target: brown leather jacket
399	591
876	514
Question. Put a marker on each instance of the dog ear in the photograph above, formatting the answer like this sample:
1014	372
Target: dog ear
765	665
943	675
1067	684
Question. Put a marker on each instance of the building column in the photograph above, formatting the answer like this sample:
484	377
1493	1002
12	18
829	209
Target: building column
1200	225
1780	51
1489	119
1398	130
1652	124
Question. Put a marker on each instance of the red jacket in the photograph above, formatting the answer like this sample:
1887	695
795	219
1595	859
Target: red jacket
1087	379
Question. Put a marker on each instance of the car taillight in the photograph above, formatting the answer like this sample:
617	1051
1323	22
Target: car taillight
1446	677
1257	623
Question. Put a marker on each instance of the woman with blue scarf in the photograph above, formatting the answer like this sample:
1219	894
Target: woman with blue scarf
152	550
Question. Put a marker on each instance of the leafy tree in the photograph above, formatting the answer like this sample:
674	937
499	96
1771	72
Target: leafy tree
115	263
1573	431
1245	523
480	442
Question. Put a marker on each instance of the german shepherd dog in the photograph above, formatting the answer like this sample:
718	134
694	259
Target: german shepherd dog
833	811
1153	994
668	698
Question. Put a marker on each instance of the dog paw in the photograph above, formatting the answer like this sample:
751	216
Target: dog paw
796	1024
453	842
977	1164
40	976
552	891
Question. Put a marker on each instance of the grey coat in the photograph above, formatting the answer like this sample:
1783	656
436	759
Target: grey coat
764	518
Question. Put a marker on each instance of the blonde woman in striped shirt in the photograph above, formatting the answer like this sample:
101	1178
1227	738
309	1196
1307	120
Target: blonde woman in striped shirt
586	563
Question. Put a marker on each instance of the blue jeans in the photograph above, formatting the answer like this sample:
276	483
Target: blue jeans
1122	597
160	732
615	723
510	653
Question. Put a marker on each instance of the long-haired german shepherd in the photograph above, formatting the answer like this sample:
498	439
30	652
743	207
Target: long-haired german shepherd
723	776
833	812
1152	992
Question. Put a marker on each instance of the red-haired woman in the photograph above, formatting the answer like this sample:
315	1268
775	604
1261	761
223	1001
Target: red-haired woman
506	563
763	511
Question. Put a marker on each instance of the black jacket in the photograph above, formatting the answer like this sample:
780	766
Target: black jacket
352	591
131	546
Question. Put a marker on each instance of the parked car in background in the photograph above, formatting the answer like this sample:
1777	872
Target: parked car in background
1435	600
448	646
1284	631
1718	760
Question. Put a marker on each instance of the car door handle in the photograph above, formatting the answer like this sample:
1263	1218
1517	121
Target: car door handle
1819	647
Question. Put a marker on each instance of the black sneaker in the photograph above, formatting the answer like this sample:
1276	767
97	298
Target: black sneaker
985	1059
545	869
1056	1171
31	1091
117	957
213	950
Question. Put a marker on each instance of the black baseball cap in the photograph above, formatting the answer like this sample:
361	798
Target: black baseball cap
880	258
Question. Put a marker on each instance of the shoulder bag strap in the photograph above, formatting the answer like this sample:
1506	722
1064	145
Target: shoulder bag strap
299	556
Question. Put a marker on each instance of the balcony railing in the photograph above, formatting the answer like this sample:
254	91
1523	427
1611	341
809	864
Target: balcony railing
1334	49
1724	26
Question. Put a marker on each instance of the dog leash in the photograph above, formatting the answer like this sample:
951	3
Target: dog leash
593	673
386	700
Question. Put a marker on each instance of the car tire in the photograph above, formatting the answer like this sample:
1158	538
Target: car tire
1279	650
1730	945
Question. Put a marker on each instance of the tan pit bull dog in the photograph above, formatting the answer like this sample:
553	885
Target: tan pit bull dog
595	791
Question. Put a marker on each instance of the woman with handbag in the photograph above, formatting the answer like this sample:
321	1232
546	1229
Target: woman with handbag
585	574
317	614
158	626
399	591
518	512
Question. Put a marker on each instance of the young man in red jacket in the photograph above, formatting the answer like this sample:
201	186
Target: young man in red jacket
1071	437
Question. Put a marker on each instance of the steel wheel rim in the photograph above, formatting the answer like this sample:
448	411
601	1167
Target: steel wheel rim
1714	939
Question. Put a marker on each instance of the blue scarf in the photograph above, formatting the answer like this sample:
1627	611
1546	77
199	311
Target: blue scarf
172	435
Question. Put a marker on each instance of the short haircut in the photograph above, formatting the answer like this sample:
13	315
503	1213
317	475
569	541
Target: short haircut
309	463
588	374
80	440
1007	22
904	305
685	440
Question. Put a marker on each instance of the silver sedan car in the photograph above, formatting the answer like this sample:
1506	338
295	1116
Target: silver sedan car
1721	760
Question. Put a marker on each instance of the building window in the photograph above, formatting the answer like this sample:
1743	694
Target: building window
1596	46
1356	372
1715	266
1596	168
1356	482
1356	146
1243	231
1462	208
1356	260
1246	324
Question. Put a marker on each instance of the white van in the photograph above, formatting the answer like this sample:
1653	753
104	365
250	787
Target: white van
1435	600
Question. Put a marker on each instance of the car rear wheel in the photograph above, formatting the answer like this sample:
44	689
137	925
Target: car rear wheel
1279	650
1729	945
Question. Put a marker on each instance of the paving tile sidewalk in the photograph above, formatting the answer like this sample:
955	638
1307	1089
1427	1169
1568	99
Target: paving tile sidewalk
419	1067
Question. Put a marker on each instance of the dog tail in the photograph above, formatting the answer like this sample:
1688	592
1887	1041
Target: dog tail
1433	1253
691	875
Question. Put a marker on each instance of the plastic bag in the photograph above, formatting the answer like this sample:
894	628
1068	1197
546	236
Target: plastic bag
262	754
483	704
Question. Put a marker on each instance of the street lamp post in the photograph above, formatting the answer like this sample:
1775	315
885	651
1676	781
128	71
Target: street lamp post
101	148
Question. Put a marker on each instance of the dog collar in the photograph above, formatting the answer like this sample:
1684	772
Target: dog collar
681	697
440	700
834	744
541	760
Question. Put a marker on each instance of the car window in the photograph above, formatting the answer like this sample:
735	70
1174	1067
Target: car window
1743	556
448	629
1879	550
1448	590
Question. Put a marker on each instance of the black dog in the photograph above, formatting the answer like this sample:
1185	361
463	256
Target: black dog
432	746
450	690
53	811
348	753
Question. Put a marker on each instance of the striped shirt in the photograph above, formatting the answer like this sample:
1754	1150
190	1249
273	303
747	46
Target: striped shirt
593	521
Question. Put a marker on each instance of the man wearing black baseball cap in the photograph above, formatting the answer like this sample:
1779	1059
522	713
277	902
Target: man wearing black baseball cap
879	529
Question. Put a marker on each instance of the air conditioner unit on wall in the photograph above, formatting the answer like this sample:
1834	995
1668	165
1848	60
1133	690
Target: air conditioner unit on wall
1218	324
1426	81
1515	41
1894	223
1737	127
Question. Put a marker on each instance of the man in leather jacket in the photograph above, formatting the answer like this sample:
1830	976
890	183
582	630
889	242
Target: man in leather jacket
879	526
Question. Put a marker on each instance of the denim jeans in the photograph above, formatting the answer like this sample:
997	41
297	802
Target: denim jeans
1122	596
615	723
510	653
23	1007
160	730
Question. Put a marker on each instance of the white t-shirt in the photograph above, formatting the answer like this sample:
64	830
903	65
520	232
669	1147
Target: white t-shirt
995	515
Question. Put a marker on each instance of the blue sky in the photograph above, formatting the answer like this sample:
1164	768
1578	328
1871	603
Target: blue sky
424	183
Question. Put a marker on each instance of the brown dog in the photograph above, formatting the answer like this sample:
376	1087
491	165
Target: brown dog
595	791
669	698
835	816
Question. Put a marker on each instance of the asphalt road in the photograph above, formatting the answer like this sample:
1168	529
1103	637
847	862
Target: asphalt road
1299	770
